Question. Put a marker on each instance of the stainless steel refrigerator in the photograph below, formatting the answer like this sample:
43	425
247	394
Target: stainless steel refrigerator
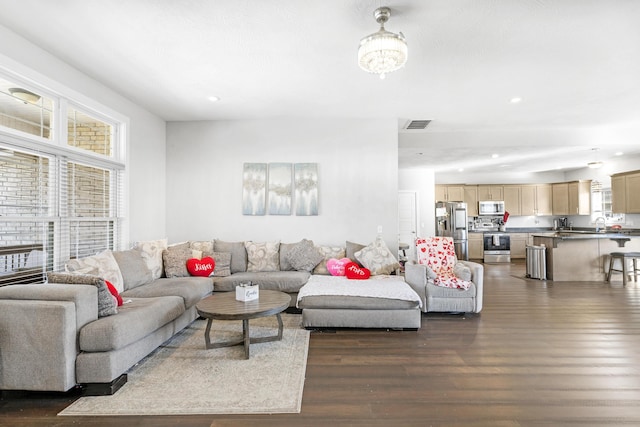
451	221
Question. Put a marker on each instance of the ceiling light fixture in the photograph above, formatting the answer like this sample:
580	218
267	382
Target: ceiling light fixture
515	100
594	165
382	52
214	98
24	95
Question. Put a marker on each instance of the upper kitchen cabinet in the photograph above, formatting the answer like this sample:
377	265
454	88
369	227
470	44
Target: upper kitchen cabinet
579	198
490	192
512	199
560	198
632	193
618	194
625	192
572	198
535	199
449	193
471	199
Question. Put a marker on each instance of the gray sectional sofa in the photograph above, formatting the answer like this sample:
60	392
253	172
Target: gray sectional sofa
57	336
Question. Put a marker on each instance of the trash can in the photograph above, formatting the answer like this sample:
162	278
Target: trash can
536	262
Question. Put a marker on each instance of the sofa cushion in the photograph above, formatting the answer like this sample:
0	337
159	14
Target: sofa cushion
175	260
328	252
262	256
377	258
102	265
443	292
107	304
191	289
152	255
304	256
133	268
283	281
351	250
135	320
237	251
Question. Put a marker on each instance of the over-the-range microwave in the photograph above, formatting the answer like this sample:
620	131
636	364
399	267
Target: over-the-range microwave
491	207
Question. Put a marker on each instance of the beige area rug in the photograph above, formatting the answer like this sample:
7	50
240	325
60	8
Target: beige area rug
182	377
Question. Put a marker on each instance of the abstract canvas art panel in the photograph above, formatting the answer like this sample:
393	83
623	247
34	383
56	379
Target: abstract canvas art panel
280	191
254	188
306	188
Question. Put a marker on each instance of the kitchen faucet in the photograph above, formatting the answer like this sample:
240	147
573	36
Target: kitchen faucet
601	220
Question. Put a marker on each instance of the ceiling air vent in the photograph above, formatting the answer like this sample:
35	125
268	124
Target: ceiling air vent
417	124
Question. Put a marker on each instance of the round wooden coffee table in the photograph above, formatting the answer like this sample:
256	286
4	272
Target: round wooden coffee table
224	306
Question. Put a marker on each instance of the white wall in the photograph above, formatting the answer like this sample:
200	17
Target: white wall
358	173
146	150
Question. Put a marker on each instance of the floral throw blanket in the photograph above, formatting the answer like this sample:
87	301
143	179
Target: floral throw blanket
439	255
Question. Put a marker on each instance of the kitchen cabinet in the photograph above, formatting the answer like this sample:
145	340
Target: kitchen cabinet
512	202
618	194
633	193
471	199
625	192
579	197
560	198
476	246
449	193
535	199
572	198
490	192
519	243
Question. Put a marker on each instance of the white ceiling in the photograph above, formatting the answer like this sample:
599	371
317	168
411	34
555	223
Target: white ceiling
574	63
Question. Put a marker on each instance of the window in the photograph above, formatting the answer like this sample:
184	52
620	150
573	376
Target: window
58	200
601	205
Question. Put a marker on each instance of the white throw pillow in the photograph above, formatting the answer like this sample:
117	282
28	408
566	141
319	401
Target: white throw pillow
263	256
103	265
377	258
152	255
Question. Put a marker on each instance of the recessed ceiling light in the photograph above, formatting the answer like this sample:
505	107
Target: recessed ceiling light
619	153
214	98
515	100
461	170
495	156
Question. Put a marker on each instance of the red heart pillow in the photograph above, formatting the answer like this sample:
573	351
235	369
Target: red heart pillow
353	271
201	267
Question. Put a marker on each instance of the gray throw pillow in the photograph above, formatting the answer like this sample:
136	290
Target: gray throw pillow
304	256
133	268
351	249
285	248
223	263
107	304
175	260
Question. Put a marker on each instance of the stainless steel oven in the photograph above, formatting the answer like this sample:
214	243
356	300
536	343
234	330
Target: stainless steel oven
497	247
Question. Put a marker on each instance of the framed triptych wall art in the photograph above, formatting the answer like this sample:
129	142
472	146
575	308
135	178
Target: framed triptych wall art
306	185
276	187
280	193
254	188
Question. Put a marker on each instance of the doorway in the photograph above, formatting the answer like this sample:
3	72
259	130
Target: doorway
407	222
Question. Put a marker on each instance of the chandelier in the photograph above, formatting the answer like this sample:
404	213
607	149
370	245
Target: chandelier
382	52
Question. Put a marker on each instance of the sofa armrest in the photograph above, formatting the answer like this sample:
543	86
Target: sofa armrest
477	277
39	327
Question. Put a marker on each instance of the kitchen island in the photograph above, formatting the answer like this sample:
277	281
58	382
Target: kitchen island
583	256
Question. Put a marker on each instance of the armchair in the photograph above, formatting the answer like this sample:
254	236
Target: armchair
437	264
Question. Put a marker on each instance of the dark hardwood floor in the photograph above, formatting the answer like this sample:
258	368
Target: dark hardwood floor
540	354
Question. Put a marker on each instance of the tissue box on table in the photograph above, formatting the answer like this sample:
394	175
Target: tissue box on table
247	292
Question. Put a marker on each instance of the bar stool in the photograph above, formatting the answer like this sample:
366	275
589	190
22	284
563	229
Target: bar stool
624	257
